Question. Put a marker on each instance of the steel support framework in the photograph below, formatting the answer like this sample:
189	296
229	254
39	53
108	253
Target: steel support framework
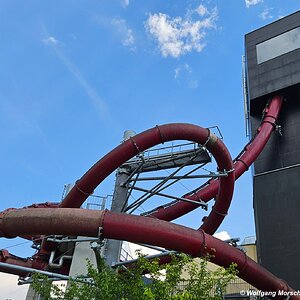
68	219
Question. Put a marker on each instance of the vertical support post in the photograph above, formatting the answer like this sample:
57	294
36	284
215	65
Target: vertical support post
113	248
32	295
68	188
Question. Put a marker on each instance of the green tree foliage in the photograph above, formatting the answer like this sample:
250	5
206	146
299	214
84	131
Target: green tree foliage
163	282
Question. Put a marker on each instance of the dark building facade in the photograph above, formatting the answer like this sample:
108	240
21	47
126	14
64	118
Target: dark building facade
273	67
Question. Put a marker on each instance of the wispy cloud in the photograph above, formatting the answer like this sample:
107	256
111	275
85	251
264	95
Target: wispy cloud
180	35
266	14
185	67
184	73
202	10
176	72
50	40
98	103
252	2
125	3
126	33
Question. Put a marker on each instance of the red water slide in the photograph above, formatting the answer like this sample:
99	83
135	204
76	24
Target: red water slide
242	163
138	229
90	180
73	221
147	139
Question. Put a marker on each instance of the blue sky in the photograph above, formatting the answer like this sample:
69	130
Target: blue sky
74	75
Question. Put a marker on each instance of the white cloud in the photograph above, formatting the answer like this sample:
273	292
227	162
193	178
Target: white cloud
184	73
176	71
185	67
180	35
222	235
125	3
201	10
266	14
127	37
50	41
252	2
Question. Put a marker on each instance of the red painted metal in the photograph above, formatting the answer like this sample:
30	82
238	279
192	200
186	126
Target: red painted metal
35	262
72	221
169	212
241	164
147	139
8	258
141	142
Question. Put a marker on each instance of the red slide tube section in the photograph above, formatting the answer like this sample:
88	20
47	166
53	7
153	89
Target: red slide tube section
241	164
8	258
33	263
147	139
138	229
